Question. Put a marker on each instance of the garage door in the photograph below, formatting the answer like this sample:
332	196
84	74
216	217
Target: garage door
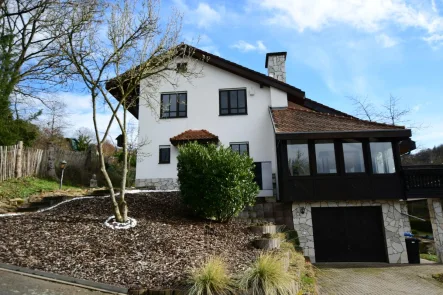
349	234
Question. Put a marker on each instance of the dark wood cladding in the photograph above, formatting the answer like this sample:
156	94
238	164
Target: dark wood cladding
339	186
423	180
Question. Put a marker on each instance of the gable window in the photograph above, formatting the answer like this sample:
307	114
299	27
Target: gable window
174	105
233	102
240	147
325	157
182	67
382	157
353	156
298	158
164	154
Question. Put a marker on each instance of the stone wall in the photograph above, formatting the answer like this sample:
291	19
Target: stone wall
436	216
157	183
267	209
394	225
277	67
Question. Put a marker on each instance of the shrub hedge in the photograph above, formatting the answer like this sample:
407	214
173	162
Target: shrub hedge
215	182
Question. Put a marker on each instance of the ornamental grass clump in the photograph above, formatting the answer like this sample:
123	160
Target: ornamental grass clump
268	276
212	278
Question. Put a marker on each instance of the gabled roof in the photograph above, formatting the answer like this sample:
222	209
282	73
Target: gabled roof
297	121
194	135
247	73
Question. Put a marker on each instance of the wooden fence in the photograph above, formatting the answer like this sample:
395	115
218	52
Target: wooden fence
16	161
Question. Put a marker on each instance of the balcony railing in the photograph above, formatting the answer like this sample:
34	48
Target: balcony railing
423	181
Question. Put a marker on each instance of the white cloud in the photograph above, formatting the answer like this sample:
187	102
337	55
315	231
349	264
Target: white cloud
386	41
369	16
204	16
246	47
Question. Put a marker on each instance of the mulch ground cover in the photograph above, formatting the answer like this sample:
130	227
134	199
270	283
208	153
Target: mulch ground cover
158	253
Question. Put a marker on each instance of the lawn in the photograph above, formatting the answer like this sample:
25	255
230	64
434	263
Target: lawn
159	252
28	186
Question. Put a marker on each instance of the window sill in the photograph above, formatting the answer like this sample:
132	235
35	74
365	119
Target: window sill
164	163
166	118
224	115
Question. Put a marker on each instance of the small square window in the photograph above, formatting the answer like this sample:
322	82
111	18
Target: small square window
240	147
182	67
233	102
164	154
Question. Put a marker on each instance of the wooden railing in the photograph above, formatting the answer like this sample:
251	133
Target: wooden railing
423	180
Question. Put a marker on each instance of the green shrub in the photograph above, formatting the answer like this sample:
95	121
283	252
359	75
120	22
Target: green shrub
215	182
268	276
211	278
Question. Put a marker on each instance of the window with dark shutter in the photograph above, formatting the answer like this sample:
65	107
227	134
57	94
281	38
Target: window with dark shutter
164	154
233	102
174	105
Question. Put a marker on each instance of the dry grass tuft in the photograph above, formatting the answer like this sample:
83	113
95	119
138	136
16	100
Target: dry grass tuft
211	279
268	276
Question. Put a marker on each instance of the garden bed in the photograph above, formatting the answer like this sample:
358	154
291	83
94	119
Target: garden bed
71	239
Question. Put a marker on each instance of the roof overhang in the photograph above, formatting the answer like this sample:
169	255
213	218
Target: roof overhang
400	133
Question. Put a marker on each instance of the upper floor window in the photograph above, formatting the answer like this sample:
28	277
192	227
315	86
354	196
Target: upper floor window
164	154
325	157
298	158
174	105
382	157
240	147
353	156
233	102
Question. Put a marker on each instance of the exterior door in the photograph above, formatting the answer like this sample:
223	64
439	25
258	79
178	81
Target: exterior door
349	234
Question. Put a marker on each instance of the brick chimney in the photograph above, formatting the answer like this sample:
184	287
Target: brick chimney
276	65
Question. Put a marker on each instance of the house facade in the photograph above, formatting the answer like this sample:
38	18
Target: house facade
340	176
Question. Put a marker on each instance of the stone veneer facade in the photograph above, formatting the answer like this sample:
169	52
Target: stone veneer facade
395	224
158	183
277	67
436	216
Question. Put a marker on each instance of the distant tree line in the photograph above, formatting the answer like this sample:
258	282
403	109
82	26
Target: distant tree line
432	156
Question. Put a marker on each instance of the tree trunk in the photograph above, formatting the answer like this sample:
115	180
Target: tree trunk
51	163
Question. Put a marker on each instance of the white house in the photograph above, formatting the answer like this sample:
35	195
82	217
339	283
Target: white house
340	177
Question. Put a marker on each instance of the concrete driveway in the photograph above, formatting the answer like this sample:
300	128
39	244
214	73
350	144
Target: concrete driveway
379	279
16	284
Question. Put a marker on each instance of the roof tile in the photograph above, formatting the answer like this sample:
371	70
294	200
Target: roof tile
298	120
189	135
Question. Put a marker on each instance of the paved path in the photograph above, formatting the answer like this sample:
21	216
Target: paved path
379	279
16	284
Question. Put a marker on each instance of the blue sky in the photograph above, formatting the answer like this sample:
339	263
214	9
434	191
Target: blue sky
336	48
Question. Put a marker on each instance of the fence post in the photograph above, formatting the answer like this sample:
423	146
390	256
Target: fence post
51	162
19	160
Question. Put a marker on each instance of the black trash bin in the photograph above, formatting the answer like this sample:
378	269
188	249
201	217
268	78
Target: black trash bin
413	249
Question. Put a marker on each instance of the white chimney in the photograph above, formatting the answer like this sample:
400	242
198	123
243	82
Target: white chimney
276	65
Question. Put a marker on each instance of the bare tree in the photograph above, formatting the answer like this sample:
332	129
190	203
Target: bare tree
364	108
393	113
123	40
30	65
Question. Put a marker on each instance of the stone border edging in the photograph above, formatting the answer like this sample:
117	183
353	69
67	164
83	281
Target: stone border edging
91	285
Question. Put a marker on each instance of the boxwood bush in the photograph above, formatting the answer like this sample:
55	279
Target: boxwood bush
215	182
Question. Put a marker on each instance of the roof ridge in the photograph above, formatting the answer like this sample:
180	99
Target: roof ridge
343	117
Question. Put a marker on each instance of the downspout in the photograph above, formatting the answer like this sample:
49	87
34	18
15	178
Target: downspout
276	156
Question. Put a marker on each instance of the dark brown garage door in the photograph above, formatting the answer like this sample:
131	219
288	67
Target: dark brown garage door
349	234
